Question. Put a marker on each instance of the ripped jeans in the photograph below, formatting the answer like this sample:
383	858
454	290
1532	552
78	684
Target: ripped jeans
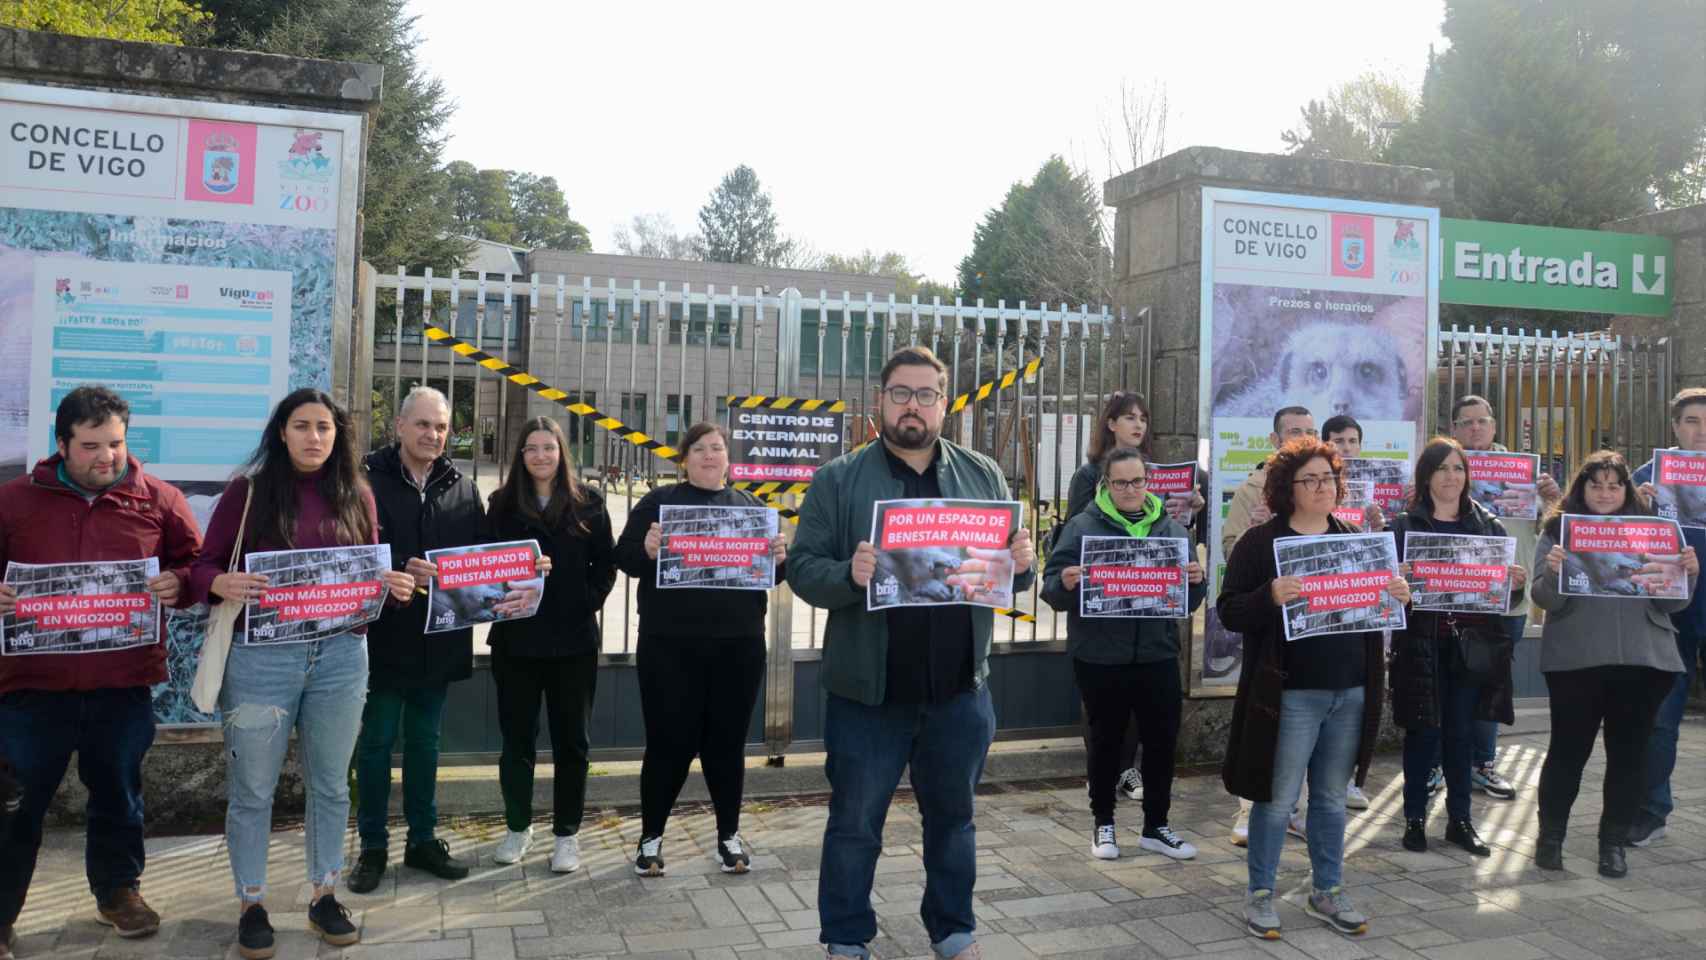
318	690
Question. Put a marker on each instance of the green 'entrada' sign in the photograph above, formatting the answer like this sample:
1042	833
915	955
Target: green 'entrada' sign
1548	268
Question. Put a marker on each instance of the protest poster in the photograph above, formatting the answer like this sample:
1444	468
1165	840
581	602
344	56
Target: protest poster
81	607
473	580
784	446
716	548
1169	480
1134	577
1679	486
1459	573
1505	483
934	552
1353	509
1345	579
315	594
1390	478
1623	557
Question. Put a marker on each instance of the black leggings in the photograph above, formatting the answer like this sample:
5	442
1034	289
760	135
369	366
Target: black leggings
1627	700
697	697
1114	694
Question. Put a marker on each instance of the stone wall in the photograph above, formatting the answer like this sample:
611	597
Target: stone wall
1687	272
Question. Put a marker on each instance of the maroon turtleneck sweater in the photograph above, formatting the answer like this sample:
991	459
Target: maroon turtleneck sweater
313	529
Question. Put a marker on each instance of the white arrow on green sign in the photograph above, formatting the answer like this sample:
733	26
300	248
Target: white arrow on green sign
1550	268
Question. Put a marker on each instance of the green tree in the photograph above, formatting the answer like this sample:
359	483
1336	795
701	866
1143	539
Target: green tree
542	215
737	225
406	219
480	202
892	263
1563	112
156	21
1356	121
1043	244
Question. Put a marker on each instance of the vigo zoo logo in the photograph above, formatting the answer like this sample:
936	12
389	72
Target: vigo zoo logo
1405	246
258	299
305	174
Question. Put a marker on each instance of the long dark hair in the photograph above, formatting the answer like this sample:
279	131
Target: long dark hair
515	498
1433	457
272	516
1575	499
1119	404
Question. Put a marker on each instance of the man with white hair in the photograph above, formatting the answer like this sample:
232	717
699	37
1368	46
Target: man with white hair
425	503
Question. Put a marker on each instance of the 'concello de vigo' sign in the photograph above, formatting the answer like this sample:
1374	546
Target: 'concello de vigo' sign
1548	268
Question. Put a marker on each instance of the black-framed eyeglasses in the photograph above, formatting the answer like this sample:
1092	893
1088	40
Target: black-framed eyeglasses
1316	483
1126	486
901	396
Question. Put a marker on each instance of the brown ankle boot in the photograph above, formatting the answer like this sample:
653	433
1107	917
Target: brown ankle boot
128	914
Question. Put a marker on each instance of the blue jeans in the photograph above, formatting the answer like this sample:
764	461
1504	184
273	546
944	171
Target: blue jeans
944	745
1661	747
316	689
109	730
1319	731
415	716
1452	739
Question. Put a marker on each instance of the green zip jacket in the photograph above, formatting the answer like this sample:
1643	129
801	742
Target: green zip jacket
835	517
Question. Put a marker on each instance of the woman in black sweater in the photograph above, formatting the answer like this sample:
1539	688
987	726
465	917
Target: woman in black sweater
552	656
1434	696
1310	707
700	659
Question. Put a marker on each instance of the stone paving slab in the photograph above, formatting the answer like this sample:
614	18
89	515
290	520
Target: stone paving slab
1040	894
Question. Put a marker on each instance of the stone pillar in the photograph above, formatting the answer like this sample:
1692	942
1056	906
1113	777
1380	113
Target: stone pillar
1158	251
1686	326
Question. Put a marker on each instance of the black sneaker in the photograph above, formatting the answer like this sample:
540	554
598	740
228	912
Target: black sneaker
649	861
330	919
1415	836
732	856
254	934
434	857
369	870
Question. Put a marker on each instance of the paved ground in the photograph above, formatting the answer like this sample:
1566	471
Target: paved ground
1039	893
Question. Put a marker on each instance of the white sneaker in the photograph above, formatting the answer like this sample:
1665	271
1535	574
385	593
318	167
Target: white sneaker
1131	784
566	855
1355	799
1295	826
1104	847
513	846
1164	841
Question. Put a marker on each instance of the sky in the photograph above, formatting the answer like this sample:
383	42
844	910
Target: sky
888	126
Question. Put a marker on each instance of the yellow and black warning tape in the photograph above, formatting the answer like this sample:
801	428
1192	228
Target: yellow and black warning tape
1007	380
639	438
762	402
770	488
522	378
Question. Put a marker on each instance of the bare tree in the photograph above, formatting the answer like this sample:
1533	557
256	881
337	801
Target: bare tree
1138	135
653	235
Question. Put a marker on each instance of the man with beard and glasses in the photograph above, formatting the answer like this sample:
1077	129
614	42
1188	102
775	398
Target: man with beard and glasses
906	685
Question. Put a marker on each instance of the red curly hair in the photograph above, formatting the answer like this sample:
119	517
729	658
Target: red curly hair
1282	468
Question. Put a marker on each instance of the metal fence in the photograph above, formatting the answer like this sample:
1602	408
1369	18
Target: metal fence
681	343
1562	396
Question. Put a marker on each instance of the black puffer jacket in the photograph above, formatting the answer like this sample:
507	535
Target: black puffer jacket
449	513
1416	650
583	571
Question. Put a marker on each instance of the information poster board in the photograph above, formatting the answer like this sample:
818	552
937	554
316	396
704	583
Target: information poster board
1327	304
190	255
